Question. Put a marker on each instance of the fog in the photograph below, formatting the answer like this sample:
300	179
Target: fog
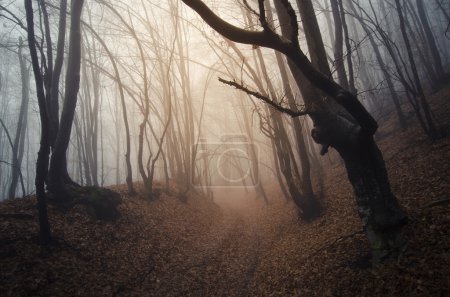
224	148
164	61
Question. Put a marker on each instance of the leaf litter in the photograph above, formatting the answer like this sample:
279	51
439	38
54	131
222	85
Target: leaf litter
171	248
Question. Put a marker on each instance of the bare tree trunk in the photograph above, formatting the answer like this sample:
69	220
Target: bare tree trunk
432	130
54	89
397	59
315	45
351	76
93	110
44	147
350	134
298	131
278	170
430	38
84	124
255	174
56	182
14	156
19	139
308	204
80	151
188	110
304	6
384	69
338	46
417	34
129	178
306	201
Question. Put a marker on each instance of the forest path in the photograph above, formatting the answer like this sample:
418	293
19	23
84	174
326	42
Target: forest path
221	262
173	248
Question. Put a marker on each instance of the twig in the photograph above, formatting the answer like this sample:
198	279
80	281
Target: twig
440	202
13	18
267	100
250	8
336	241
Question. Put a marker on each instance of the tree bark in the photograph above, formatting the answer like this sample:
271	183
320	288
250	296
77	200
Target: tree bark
57	164
44	146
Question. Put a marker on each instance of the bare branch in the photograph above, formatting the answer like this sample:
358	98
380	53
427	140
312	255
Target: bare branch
270	39
249	8
292	113
13	18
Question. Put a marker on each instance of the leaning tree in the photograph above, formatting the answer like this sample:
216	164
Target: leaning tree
340	121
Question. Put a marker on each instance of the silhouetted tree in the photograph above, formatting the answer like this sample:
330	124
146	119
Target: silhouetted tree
58	167
44	146
351	136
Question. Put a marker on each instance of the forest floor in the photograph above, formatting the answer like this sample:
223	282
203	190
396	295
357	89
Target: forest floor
170	248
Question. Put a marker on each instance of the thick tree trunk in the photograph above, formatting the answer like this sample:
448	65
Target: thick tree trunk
58	161
377	206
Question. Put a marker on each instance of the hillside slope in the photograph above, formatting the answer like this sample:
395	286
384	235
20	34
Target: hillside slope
170	248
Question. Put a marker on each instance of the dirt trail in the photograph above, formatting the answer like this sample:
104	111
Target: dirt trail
221	262
170	248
